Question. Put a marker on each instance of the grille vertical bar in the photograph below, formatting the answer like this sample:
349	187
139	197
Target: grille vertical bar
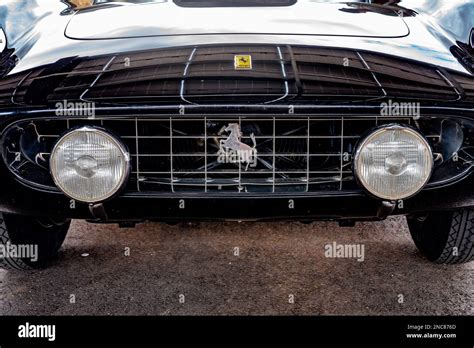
171	155
240	163
137	153
273	156
205	154
341	157
307	154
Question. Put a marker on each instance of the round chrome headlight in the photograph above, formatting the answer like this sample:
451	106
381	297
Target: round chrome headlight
89	165
394	162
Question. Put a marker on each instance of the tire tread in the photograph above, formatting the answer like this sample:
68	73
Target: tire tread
9	262
460	236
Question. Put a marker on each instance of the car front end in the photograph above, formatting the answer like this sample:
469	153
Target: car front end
184	111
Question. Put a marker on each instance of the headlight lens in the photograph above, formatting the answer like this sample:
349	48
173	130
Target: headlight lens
89	165
394	162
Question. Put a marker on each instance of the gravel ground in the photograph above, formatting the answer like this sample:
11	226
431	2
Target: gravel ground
276	262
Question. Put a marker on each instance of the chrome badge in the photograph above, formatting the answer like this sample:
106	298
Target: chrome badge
233	150
243	62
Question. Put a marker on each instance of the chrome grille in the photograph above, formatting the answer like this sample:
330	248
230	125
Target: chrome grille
287	155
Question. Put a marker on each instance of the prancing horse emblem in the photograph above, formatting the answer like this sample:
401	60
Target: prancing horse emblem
233	150
243	62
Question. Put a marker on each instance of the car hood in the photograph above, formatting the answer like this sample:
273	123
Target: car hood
169	19
108	55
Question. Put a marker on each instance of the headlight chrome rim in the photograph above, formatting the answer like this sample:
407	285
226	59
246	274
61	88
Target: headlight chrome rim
370	136
111	137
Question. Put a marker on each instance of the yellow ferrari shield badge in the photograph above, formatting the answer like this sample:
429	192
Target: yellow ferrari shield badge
243	62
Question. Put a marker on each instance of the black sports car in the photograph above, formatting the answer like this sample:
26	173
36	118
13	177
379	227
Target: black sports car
183	110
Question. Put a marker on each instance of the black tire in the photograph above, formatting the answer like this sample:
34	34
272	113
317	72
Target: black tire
444	237
48	235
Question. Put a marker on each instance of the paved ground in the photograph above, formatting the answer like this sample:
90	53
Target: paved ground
276	261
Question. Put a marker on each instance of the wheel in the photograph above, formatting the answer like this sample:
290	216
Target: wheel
444	237
37	238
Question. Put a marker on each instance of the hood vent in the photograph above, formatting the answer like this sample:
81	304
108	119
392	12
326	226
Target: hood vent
279	74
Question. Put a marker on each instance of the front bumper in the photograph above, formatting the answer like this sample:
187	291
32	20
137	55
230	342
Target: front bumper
19	199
